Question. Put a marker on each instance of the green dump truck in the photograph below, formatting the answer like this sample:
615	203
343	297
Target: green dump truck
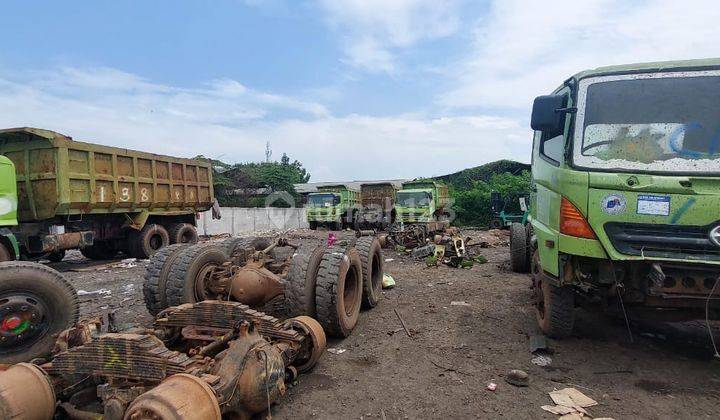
334	206
625	213
100	199
36	302
422	201
378	205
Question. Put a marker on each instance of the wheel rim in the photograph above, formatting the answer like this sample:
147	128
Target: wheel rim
203	284
350	291
23	319
376	277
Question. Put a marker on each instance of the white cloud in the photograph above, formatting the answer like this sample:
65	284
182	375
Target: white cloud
227	120
374	31
524	48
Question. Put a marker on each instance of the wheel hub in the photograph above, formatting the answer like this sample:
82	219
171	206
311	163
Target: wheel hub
21	319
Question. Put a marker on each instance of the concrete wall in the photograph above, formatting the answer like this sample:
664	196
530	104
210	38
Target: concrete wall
240	221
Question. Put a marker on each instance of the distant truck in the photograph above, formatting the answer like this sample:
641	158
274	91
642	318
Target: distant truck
378	205
625	208
422	202
99	199
333	206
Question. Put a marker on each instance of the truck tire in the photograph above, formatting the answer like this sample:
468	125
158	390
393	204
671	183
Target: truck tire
496	224
56	256
230	246
372	269
301	281
5	254
51	306
185	281
99	251
182	233
555	307
156	277
148	240
313	225
338	225
530	248
338	294
518	248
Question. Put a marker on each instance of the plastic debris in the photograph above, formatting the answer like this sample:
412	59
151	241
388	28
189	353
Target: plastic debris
541	360
389	259
459	303
334	350
94	292
492	386
570	404
388	282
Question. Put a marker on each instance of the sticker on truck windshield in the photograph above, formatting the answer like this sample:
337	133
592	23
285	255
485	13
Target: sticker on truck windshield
614	204
654	205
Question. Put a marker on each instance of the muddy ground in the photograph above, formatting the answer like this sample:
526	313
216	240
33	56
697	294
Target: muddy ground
667	371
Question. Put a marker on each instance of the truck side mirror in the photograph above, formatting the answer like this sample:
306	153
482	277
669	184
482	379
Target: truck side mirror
548	114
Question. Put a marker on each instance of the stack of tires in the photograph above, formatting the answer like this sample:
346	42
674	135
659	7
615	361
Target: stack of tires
330	284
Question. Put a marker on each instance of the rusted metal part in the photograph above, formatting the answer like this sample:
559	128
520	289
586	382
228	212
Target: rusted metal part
218	358
62	241
255	285
312	349
181	396
26	393
139	357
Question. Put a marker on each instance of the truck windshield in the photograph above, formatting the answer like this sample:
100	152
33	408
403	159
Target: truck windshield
323	200
657	123
414	198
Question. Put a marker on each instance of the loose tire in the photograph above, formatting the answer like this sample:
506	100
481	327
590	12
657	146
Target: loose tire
518	248
148	240
555	306
182	233
301	281
156	277
36	303
338	294
372	269
99	250
313	225
185	283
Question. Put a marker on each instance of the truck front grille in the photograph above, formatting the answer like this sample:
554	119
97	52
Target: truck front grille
664	241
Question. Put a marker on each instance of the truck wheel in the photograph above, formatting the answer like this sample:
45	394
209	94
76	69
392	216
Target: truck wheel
148	240
156	277
186	282
338	294
313	225
518	248
301	281
56	256
36	303
99	251
5	254
555	306
372	269
338	225
232	245
496	224
182	233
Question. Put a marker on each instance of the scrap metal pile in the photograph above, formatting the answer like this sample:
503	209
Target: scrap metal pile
210	353
437	242
200	361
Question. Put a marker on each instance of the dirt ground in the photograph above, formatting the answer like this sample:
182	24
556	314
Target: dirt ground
666	371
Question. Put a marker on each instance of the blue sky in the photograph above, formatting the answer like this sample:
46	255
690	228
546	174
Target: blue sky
355	89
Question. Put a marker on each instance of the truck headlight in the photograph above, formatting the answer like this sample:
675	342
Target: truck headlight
8	204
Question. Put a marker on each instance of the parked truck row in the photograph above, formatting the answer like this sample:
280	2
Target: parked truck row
378	205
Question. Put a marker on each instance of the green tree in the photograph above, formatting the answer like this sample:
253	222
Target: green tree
472	205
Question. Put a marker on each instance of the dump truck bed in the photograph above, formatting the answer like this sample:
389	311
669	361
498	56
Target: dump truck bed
58	176
378	195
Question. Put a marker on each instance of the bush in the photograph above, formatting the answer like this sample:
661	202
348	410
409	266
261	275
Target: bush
472	206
